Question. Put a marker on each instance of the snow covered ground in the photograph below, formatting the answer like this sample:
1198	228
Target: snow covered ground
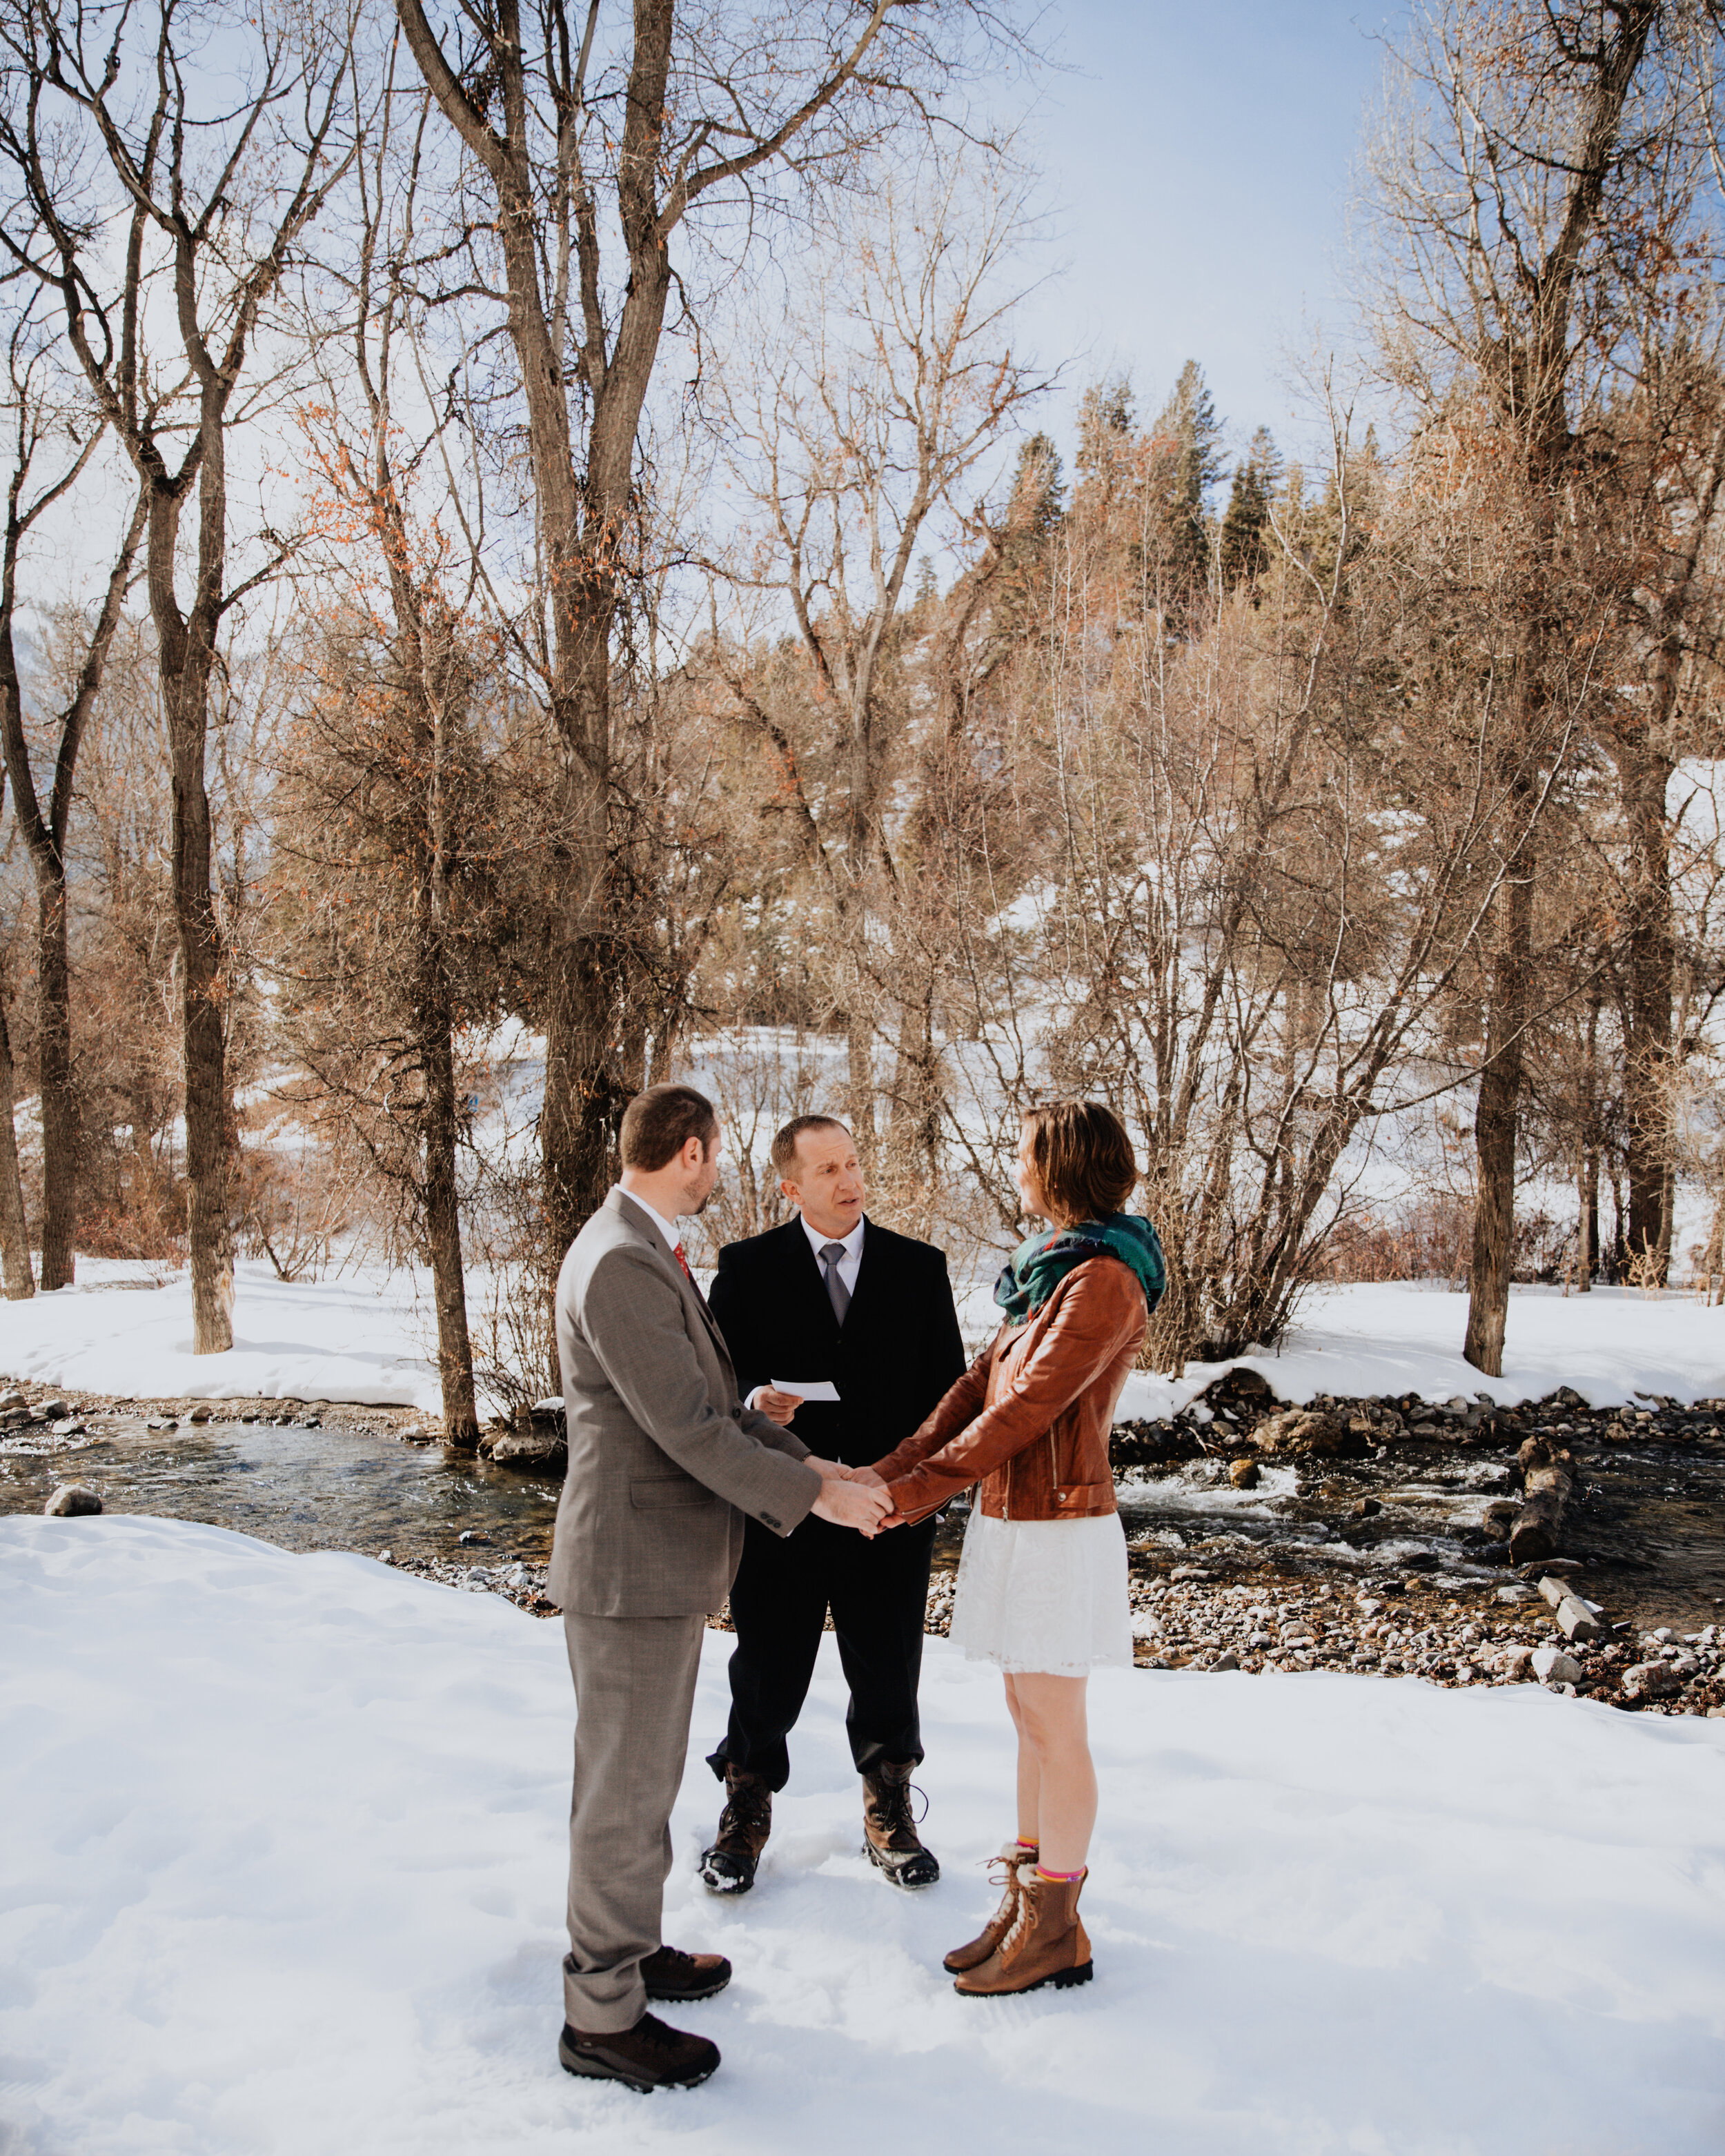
126	1329
282	1872
364	1336
1365	1342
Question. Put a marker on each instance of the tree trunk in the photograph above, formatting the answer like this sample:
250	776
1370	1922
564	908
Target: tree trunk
1495	1124
860	1092
204	996
1646	779
14	1236
1588	1180
442	1217
59	1109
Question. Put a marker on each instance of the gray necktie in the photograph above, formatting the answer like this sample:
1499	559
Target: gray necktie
837	1292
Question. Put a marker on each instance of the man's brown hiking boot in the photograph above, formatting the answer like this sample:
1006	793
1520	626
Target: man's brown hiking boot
669	1974
650	2056
728	1867
892	1839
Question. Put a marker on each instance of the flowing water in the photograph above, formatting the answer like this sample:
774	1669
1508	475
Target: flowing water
1650	1532
301	1488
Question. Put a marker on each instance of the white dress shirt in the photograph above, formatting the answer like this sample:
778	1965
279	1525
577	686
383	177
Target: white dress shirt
849	1266
668	1229
851	1244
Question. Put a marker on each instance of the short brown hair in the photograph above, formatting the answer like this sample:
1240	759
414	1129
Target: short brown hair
784	1146
1083	1159
659	1123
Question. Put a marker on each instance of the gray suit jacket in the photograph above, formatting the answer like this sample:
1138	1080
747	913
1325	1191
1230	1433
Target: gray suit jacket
663	1458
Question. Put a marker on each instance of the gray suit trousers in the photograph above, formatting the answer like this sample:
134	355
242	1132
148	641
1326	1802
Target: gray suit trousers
634	1690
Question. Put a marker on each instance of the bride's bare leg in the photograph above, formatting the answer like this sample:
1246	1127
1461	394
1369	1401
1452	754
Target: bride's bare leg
1054	1767
1029	1770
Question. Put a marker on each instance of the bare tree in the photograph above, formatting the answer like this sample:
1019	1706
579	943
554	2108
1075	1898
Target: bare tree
103	99
858	429
1513	187
592	150
39	419
390	816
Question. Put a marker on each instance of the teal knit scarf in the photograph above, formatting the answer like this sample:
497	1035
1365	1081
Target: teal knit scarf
1040	1262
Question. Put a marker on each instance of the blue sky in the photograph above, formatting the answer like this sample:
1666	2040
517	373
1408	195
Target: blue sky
1198	155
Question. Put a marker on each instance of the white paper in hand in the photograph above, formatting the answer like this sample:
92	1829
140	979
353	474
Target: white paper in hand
815	1388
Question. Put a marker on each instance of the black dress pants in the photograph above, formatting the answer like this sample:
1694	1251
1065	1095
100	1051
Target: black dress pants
878	1593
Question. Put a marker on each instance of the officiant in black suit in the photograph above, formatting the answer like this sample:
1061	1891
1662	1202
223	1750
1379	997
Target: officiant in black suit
830	1295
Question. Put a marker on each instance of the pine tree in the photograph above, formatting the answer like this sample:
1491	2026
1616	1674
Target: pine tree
1038	489
1187	441
1244	548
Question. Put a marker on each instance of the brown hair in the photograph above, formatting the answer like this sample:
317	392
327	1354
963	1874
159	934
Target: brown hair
784	1146
659	1123
1083	1159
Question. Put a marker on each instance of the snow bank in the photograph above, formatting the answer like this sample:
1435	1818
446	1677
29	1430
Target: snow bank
364	1336
283	1871
1365	1342
128	1330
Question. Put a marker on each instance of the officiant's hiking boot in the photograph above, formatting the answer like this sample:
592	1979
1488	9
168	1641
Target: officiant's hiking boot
650	2056
890	1833
728	1867
1047	1942
1003	1872
669	1974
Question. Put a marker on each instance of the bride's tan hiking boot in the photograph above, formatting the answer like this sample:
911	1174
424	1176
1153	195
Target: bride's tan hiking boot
1045	1944
1003	1872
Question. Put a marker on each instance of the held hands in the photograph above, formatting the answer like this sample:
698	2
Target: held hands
870	1481
847	1501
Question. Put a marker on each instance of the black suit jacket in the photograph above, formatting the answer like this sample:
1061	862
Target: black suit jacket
898	1351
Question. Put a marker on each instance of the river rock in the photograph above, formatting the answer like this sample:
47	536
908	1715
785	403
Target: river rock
1553	1666
50	1410
1237	1385
1245	1474
1576	1621
541	1446
1650	1680
198	1414
1306	1431
72	1501
13	1399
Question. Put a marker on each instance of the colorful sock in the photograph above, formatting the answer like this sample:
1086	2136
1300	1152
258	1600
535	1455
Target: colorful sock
1023	1844
1061	1878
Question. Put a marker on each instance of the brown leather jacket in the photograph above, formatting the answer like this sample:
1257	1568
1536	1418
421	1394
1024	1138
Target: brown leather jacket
1030	1420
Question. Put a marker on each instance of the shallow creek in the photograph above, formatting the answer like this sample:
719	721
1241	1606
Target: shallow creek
1650	1534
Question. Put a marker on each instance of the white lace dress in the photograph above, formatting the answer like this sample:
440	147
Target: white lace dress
1046	1596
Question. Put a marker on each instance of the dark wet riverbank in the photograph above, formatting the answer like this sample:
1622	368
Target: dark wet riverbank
1403	1525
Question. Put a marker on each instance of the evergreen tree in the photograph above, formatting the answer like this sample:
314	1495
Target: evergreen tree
1188	464
1038	489
1244	545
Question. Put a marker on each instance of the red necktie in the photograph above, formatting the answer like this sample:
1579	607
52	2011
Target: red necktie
677	1253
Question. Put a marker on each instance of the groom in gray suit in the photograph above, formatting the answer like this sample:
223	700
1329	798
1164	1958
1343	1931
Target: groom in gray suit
665	1462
